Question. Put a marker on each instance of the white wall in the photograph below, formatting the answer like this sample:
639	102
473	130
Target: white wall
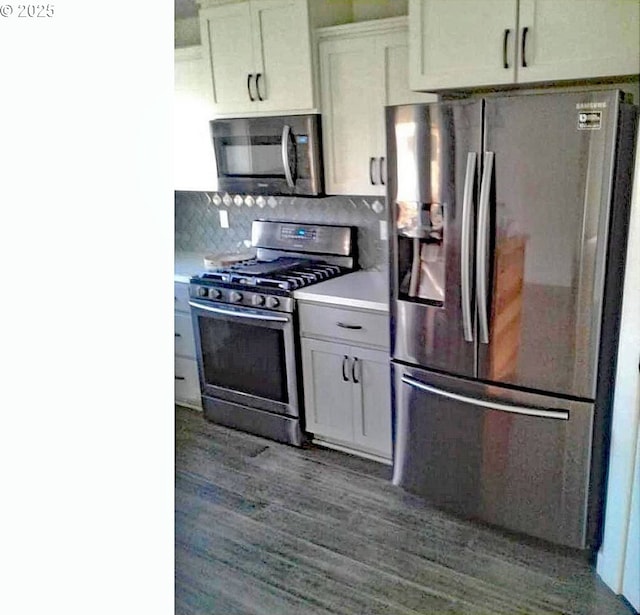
626	418
378	9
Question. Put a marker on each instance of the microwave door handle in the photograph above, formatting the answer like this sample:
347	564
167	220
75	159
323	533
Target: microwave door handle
286	133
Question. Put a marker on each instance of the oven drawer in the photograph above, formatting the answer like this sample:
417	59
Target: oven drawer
187	385
184	341
181	296
344	324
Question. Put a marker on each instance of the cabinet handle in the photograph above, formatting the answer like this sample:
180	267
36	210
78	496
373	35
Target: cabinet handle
344	373
525	30
371	162
381	161
258	86
504	48
177	334
249	87
345	325
180	378
353	370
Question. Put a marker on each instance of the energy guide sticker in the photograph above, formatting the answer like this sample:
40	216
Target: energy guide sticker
589	120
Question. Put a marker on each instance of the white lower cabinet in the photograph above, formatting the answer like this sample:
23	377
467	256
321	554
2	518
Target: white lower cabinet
347	396
187	385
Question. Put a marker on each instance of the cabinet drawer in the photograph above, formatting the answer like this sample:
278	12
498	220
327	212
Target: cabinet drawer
187	385
344	324
181	296
184	341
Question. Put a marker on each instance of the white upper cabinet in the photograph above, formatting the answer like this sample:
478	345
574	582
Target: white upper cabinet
459	44
578	39
282	55
194	160
363	67
227	42
259	53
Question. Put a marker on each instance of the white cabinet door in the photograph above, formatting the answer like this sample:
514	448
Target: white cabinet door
393	49
187	385
461	43
185	345
372	401
362	68
352	115
227	40
347	395
282	54
194	160
259	54
328	391
577	39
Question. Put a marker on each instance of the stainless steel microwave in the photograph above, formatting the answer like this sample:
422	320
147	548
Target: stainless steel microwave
269	155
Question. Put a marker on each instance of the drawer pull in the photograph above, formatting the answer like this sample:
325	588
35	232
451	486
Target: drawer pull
345	325
180	378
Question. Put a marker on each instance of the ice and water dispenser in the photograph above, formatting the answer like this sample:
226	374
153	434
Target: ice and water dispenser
422	194
421	251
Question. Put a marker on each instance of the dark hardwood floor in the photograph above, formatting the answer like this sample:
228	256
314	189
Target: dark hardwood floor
267	529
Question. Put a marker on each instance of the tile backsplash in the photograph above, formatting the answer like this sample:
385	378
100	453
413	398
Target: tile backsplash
197	221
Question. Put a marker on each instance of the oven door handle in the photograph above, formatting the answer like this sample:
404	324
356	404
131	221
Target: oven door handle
249	315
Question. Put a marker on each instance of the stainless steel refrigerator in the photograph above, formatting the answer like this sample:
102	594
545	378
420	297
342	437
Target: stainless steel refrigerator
508	236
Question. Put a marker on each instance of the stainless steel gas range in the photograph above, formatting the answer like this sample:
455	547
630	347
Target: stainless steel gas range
245	325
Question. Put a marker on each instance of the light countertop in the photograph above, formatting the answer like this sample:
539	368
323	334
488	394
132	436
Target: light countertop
187	264
367	290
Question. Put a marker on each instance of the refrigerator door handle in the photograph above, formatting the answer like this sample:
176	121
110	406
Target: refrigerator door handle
465	275
562	415
481	249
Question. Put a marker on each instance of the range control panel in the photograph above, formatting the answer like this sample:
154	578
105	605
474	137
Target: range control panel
299	233
241	297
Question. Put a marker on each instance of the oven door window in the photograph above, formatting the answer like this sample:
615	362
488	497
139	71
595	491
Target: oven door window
244	357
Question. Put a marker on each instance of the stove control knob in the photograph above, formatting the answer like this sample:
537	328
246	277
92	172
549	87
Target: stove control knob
273	302
202	291
214	293
235	297
258	300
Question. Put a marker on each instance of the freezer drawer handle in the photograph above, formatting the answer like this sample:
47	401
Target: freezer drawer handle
562	415
249	315
465	276
481	249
